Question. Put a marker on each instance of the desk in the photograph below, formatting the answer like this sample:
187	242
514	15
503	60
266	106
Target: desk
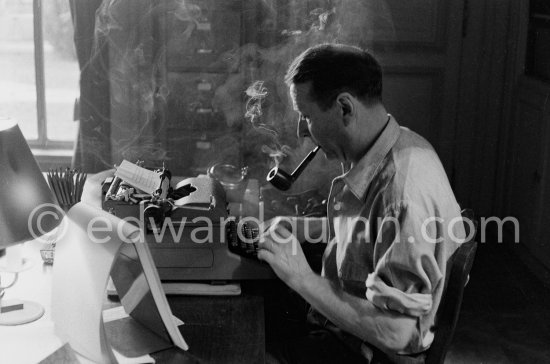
217	329
31	342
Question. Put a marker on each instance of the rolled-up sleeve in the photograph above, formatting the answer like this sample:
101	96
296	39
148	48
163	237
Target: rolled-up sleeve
407	274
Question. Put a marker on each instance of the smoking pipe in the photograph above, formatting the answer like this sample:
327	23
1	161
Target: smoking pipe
282	180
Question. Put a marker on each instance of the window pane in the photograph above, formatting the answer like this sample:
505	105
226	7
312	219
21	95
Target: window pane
61	70
17	91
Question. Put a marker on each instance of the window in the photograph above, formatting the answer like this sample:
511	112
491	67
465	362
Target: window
39	71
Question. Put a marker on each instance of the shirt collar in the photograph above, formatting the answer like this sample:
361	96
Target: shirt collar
360	176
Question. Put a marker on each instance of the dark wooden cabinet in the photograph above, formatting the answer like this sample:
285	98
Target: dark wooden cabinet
191	103
200	40
200	33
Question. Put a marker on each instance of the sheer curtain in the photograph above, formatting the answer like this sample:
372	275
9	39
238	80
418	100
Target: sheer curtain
94	90
115	42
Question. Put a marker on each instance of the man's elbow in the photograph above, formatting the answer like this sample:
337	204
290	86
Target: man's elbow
400	336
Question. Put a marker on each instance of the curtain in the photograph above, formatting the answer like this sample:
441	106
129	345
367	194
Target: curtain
117	49
93	148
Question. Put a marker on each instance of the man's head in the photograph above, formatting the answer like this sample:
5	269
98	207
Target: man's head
336	68
336	89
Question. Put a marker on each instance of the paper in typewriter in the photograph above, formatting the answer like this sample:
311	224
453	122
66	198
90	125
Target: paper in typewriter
141	178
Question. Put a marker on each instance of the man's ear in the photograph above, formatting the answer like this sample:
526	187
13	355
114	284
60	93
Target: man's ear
346	107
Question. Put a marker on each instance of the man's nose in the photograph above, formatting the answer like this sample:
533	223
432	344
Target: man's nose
302	130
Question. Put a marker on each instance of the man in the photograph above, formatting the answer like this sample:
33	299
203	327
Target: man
393	220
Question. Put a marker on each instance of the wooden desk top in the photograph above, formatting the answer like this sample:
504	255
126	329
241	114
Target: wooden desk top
217	329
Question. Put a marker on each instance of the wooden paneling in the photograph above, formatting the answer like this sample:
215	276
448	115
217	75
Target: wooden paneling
396	23
414	99
515	68
419	22
526	180
529	198
422	70
483	121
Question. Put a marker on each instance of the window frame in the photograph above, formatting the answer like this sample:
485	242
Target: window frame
40	85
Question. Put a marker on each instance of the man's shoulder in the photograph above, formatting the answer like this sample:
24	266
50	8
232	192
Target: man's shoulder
418	174
413	155
412	142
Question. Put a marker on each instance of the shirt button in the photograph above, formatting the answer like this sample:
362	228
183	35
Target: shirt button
337	206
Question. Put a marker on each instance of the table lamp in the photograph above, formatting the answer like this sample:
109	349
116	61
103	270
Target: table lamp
27	211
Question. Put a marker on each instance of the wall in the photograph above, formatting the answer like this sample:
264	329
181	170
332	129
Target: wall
526	185
501	167
487	78
501	162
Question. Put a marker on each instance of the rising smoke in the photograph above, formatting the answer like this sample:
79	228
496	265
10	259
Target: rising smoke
141	86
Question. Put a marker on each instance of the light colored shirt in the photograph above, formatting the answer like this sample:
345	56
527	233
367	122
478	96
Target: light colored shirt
394	223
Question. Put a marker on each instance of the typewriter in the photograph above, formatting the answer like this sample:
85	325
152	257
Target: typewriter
229	253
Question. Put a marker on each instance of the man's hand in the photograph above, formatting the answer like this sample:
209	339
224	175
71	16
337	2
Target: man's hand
387	330
305	229
280	248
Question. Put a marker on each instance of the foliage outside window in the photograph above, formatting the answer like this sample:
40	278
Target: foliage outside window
38	70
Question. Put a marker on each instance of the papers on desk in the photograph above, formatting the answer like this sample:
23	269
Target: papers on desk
29	343
121	359
117	313
83	265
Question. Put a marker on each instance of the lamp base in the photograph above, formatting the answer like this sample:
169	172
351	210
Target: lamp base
30	312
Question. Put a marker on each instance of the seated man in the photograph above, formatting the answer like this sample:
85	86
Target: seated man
393	220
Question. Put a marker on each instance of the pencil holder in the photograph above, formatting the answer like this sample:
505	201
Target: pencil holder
67	186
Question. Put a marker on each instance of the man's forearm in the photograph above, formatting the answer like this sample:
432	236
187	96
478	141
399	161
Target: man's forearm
386	330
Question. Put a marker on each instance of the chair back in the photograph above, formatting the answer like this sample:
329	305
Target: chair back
449	309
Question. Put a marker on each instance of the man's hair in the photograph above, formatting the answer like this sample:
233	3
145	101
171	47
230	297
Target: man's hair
336	68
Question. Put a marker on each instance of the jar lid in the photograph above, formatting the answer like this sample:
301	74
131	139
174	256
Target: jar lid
228	174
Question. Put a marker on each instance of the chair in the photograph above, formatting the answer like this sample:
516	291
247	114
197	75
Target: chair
449	309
